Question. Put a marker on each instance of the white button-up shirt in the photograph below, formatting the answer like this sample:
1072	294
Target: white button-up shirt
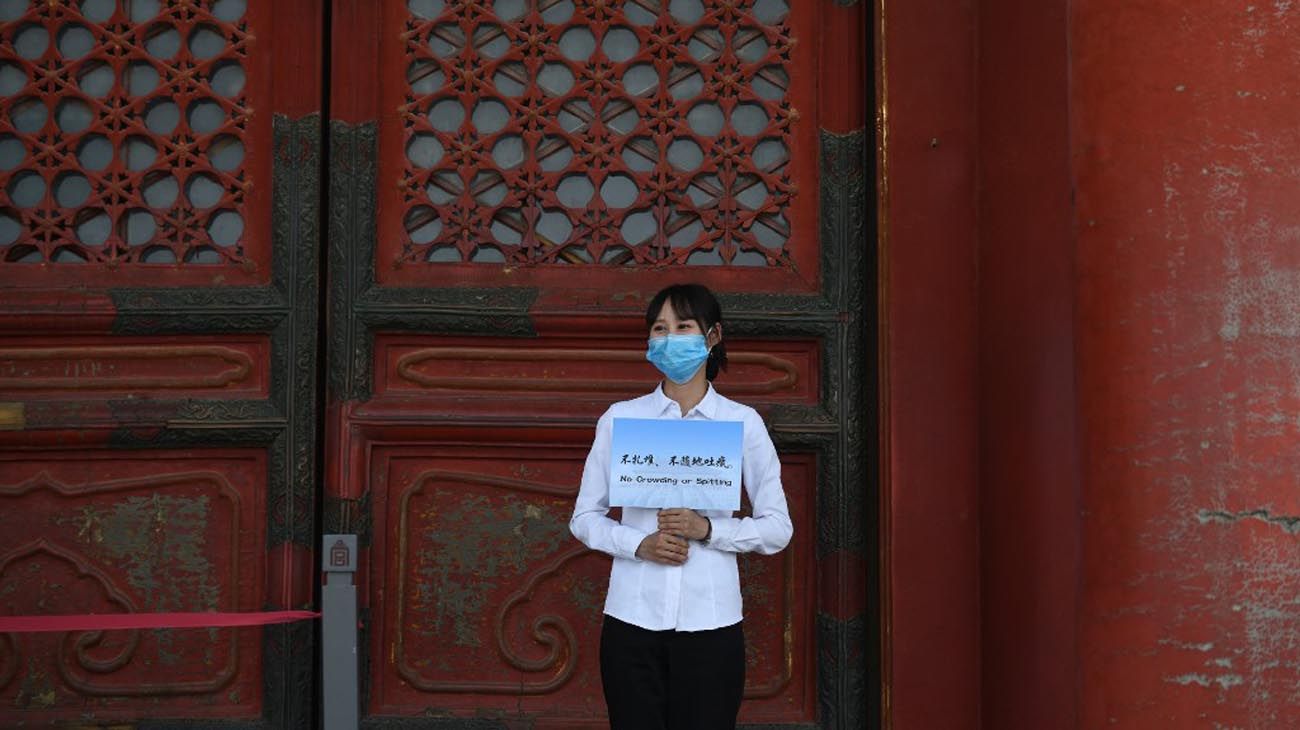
704	592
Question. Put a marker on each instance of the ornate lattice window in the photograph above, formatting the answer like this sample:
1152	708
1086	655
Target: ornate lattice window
122	131
593	131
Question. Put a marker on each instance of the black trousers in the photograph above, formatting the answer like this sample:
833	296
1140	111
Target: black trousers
671	680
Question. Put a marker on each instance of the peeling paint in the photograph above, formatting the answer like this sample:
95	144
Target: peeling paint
1286	522
1190	365
466	549
160	544
37	690
587	597
1225	681
1270	301
1204	648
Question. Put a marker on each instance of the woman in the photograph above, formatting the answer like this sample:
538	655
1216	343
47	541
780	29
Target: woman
672	650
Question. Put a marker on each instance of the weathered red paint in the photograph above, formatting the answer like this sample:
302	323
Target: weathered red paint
1187	160
928	356
89	532
485	604
1029	464
1169	296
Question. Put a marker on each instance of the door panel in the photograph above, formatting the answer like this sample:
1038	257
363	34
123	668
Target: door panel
170	531
158	213
531	373
491	607
509	183
221	367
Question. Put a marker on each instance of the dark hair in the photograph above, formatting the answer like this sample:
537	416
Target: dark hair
693	301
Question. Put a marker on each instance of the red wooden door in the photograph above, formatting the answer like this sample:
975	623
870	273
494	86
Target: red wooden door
159	166
498	188
509	183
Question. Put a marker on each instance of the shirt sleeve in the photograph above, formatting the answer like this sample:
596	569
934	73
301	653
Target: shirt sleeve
769	529
591	523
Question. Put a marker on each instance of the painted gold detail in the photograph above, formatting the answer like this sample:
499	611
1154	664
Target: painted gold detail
13	417
883	378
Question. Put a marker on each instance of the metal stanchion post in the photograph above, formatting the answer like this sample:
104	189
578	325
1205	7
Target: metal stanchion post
339	633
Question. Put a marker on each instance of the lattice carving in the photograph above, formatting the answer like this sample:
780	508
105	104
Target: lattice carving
600	132
122	129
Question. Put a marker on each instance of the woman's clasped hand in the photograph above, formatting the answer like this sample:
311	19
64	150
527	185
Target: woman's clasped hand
664	547
670	545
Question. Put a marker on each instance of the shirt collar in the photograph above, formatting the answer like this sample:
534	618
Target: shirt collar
707	407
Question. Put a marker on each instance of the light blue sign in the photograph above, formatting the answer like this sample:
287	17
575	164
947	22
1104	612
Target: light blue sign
665	463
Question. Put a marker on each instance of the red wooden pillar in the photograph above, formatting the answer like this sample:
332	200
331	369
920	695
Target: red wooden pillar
1186	155
926	108
1029	478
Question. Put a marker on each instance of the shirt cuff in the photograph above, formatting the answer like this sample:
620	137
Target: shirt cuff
724	533
626	541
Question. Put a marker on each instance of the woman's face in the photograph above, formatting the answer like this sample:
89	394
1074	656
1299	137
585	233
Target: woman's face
667	323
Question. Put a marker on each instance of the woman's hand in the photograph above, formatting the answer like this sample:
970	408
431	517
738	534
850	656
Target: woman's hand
662	547
685	522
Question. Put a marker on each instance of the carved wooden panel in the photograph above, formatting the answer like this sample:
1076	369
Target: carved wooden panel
561	133
159	215
486	605
624	134
784	371
88	367
170	531
126	138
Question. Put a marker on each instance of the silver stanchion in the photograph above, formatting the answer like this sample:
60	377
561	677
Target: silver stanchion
339	708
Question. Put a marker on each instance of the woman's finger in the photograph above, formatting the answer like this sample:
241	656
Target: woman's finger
669	548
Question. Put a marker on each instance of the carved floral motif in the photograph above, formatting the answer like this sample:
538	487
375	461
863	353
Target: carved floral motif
646	132
122	131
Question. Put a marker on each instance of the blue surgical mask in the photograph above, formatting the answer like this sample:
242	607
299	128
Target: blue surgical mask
678	357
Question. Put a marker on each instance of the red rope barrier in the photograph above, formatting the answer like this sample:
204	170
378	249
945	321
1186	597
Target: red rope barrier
117	621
